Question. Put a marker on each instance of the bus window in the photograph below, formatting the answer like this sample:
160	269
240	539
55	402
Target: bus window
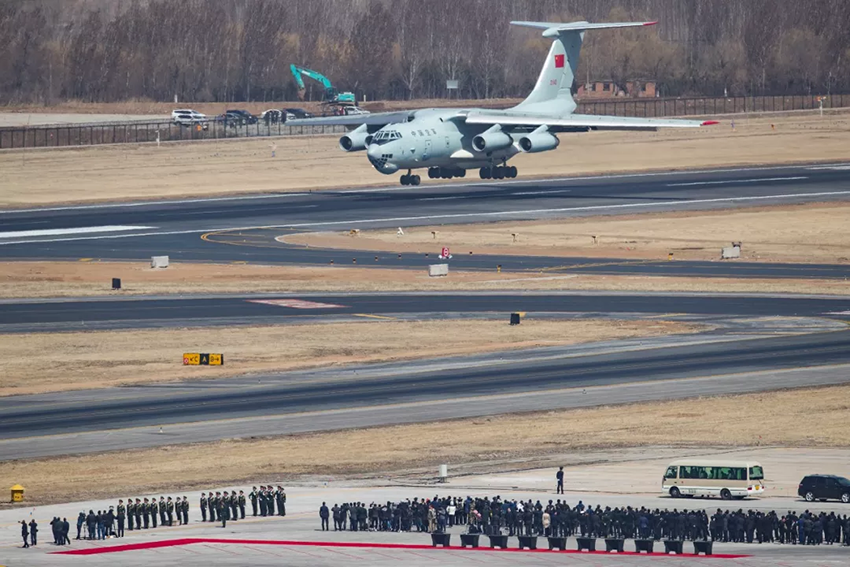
756	473
671	472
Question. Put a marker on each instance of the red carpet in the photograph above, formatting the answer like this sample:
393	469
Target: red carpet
188	541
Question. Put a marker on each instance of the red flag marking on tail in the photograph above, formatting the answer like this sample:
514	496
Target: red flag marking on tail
559	61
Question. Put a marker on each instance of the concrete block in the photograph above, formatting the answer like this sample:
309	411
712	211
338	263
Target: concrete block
159	261
435	270
730	252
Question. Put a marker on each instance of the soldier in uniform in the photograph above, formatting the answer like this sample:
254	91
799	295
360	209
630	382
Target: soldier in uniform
139	510
122	513
234	506
264	506
203	505
223	509
185	510
242	505
216	507
146	512
281	501
162	507
169	511
254	497
154	511
131	513
211	506
271	499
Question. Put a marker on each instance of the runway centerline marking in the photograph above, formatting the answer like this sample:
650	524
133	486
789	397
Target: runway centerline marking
296	303
452	216
731	181
78	230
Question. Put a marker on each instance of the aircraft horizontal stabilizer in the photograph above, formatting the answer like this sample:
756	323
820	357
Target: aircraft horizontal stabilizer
552	29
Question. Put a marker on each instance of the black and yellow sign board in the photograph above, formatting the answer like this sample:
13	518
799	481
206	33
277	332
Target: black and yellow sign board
202	359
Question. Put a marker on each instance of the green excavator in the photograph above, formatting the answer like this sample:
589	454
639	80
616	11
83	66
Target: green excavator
330	96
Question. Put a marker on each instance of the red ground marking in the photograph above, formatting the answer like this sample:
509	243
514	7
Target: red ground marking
189	541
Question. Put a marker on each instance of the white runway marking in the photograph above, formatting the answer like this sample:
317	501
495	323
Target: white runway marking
79	230
296	303
520	212
838	313
542	192
730	181
443	198
831	168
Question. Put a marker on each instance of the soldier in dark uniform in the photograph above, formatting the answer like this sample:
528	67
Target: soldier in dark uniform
234	506
185	509
281	501
242	505
146	512
216	503
203	505
211	506
264	506
223	509
271	498
139	510
254	497
154	511
122	513
131	513
162	507
169	511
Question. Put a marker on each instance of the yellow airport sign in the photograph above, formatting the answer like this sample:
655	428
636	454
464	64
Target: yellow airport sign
203	359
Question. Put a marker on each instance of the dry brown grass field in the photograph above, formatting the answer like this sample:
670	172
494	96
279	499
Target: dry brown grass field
795	418
74	175
815	232
81	279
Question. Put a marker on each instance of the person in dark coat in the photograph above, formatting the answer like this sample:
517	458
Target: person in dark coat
25	533
33	532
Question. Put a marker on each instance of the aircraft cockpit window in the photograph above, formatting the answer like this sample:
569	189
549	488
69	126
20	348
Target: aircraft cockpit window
385	136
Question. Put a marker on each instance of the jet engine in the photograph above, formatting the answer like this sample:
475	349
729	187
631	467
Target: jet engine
491	140
356	140
540	140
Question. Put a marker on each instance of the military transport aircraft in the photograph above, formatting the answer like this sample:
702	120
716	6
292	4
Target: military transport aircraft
449	141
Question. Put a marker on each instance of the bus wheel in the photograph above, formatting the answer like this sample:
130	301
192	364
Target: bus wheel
725	494
674	492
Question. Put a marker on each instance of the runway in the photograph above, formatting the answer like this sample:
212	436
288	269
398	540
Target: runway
129	312
243	228
359	396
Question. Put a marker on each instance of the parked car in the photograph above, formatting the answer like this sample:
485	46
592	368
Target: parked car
237	118
188	117
824	487
299	113
272	116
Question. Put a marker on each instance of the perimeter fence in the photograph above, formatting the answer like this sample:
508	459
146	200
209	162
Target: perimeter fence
90	134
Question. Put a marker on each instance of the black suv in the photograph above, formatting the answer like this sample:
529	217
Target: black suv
237	118
824	487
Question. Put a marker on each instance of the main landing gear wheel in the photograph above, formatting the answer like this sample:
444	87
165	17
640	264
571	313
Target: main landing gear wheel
410	179
444	173
498	172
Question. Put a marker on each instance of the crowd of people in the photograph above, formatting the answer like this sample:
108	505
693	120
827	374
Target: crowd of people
146	513
558	519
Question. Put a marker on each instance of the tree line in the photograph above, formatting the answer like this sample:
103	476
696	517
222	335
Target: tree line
240	50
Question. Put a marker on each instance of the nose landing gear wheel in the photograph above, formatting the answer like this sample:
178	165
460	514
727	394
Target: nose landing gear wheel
405	180
414	179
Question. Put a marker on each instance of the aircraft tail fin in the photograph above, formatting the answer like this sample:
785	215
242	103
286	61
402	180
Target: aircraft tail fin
552	93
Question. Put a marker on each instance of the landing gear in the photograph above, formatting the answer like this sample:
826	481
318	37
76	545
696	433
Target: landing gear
410	179
498	172
445	173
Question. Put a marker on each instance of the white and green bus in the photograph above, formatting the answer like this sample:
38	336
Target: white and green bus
713	477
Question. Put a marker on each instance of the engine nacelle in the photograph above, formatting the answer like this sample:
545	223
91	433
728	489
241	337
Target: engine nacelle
356	140
492	140
539	141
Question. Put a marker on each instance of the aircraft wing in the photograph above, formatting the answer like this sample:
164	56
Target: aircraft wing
581	121
375	119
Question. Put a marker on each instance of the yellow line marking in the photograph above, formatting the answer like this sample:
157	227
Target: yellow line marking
80	260
374	316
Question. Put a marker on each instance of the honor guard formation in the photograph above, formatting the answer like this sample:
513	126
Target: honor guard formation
558	519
